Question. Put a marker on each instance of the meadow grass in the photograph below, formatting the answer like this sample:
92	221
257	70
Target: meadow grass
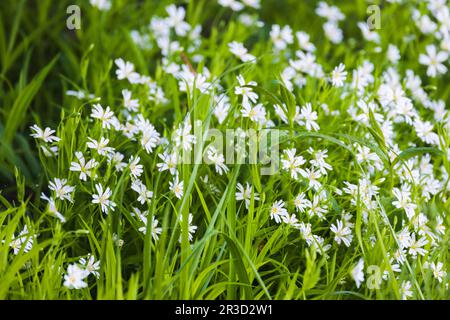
238	251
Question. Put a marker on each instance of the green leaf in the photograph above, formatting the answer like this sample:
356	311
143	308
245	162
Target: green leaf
24	98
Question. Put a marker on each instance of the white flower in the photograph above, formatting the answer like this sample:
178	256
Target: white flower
130	104
331	13
217	159
278	211
403	201
425	132
319	160
222	108
404	238
141	189
338	75
342	233
183	137
245	193
246	92
303	41
49	151
90	265
101	146
333	32
438	271
393	54
25	239
75	276
433	60
281	37
368	34
256	114
291	220
102	198
85	168
150	138
170	161
301	204
52	208
103	5
316	208
416	246
308	118
62	190
255	4
358	273
405	290
176	20
176	187
45	135
136	169
115	159
292	163
126	71
156	231
238	49
312	176
106	116
191	228
232	4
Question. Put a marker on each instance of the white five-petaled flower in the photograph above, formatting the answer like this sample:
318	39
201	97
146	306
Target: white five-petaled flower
308	118
281	37
136	169
52	208
103	5
90	265
106	116
246	92
156	231
301	204
176	20
85	168
176	187
183	137
238	49
424	130
217	159
126	71
75	276
141	189
438	270
316	208
358	273
102	198
170	161
256	113
191	228
312	176
150	138
245	193
405	290
101	146
433	60
62	190
342	233
45	135
292	163
338	75
129	104
25	239
278	212
404	201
